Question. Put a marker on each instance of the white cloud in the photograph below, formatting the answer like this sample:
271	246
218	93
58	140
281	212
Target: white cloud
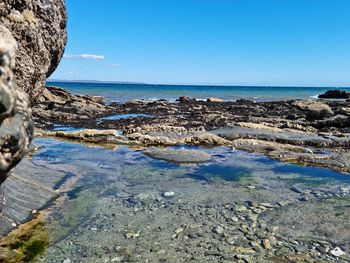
84	56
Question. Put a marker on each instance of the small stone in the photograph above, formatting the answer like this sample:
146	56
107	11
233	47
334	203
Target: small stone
337	252
93	229
308	150
169	194
252	204
234	219
67	260
251	187
255	244
304	199
179	230
243	250
241	209
130	235
267	244
218	230
34	212
267	205
283	203
126	251
345	190
14	225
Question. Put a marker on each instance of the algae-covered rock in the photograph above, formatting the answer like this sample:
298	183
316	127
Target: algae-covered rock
25	243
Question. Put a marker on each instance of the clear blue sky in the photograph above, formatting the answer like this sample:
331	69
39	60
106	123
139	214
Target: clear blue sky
235	42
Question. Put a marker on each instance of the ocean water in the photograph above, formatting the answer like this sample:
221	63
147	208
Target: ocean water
124	92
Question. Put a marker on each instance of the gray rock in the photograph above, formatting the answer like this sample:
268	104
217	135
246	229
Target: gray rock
337	252
16	127
39	27
179	156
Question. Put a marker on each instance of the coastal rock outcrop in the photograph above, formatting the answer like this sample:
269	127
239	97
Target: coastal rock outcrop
56	104
335	94
16	127
39	27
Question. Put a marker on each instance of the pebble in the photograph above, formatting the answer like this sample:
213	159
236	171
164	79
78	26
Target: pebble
218	230
308	150
267	244
131	235
14	225
67	260
241	208
234	219
345	190
179	230
243	250
337	252
169	194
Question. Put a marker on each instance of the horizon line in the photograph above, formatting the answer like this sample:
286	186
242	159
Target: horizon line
192	84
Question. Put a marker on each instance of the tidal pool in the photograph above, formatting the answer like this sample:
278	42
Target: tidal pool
125	116
117	211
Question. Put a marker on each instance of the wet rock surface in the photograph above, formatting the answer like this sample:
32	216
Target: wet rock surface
55	105
312	132
179	156
39	28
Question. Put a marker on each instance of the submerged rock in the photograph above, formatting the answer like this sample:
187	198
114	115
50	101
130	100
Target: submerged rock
179	156
39	28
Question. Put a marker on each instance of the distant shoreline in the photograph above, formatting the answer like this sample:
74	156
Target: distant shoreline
188	85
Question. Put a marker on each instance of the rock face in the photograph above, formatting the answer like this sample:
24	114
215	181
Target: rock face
56	104
39	27
16	127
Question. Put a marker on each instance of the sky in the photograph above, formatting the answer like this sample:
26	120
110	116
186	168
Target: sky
218	42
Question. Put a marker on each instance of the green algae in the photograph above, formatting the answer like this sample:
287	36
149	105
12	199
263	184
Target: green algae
25	243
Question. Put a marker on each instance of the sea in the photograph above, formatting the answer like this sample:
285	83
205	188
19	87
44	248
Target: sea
121	92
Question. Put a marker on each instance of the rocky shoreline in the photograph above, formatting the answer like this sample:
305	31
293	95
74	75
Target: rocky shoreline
313	133
309	132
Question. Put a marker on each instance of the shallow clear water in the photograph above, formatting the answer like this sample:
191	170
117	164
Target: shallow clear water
117	182
125	92
125	116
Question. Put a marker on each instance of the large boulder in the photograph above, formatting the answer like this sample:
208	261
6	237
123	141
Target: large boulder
335	94
314	110
39	27
16	127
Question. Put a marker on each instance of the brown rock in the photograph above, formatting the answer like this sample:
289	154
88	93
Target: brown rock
39	27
